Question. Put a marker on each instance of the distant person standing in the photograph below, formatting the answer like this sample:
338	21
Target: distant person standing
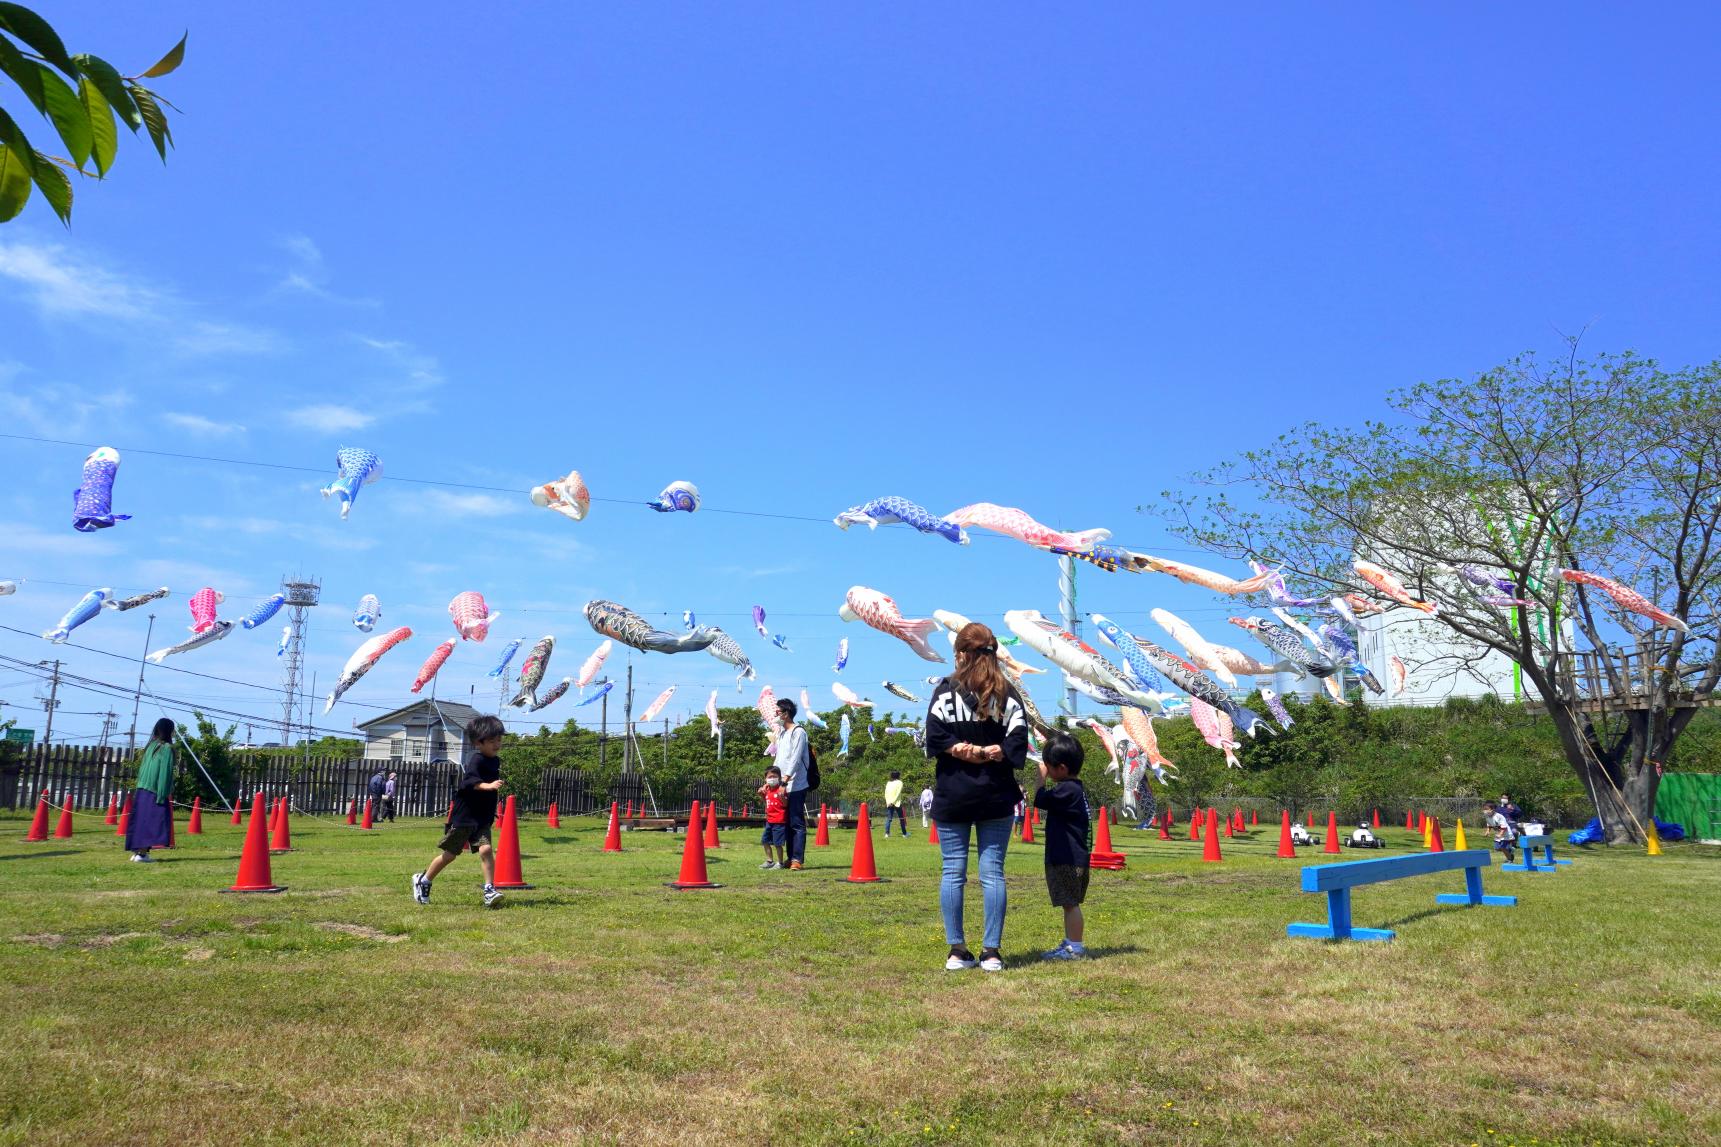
893	803
151	822
388	797
925	806
977	735
792	761
1510	811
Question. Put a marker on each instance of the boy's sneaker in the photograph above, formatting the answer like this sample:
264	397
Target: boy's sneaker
492	896
1064	951
960	960
142	858
420	888
991	962
769	864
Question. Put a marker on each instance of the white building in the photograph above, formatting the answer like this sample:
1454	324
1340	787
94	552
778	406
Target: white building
423	731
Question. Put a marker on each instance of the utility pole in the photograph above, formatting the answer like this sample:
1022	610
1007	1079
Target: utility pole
110	722
1072	622
137	694
53	703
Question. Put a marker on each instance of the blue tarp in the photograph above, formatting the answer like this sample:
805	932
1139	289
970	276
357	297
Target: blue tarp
1591	833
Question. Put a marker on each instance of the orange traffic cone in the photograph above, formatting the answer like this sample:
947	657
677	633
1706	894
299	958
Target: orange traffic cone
932	832
693	856
1028	826
195	825
63	827
612	837
254	873
1287	850
1254	819
711	840
729	811
1165	826
1377	820
1311	823
1435	844
113	809
1228	826
238	804
352	812
1210	843
862	870
553	819
1195	824
822	837
282	841
1102	855
1409	823
125	816
366	822
508	873
1114	816
1422	822
1332	844
630	809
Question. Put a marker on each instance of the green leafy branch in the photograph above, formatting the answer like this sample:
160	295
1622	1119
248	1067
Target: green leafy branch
82	96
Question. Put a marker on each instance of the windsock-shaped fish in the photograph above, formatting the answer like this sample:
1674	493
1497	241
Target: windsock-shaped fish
809	714
286	640
1277	708
869	732
367	614
1239	662
688	621
781	642
657	704
1103	732
880	611
1496	591
891	509
683	496
1210	724
556	693
1288	646
567	496
1099	693
532	671
93	500
471	616
848	696
590	666
1334	640
598	694
899	691
365	656
1109	558
1019	525
624	625
1626	598
914	733
1273	581
711	712
356	468
1073	655
768	715
954	622
433	663
202	606
508	652
263	611
1387	583
844	727
1199	686
1361	604
1207	579
124	603
1334	691
1139	727
1194	644
7	588
1035	720
842	656
727	650
87	607
208	637
759	621
1396	667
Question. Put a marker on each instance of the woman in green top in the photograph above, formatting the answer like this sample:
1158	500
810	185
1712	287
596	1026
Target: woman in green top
151	822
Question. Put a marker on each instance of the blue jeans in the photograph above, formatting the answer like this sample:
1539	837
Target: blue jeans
798	826
895	813
993	838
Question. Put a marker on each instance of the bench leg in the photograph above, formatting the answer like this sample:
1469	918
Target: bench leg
1338	925
1472	895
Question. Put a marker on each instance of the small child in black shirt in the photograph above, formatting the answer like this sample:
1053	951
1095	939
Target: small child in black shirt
1065	803
473	813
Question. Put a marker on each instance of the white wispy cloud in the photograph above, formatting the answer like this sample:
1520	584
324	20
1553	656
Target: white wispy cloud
471	504
57	411
329	418
198	424
419	371
309	273
22	538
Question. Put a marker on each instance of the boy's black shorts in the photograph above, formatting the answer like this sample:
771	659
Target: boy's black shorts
1068	884
461	836
777	834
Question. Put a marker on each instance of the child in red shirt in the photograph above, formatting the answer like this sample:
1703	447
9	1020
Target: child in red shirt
776	819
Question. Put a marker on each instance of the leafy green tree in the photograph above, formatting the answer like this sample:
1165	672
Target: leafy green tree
1611	467
214	749
81	96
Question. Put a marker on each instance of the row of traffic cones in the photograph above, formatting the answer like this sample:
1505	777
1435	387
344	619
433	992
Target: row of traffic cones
116	817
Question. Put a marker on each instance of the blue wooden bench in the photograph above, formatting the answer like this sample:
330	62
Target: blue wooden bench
1337	880
1529	844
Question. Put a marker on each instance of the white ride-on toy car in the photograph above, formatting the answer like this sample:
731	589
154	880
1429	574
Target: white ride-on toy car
1300	835
1363	837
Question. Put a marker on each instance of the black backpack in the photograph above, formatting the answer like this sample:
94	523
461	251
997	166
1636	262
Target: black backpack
813	777
377	784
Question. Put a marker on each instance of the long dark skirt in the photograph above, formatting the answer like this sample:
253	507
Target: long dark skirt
148	826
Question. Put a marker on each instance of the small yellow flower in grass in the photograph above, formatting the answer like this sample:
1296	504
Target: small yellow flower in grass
1168	1104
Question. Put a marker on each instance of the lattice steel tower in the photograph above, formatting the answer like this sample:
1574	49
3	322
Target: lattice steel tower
302	593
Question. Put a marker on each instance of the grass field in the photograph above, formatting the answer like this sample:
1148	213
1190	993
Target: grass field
139	1006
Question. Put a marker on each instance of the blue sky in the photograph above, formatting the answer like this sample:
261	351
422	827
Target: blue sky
803	256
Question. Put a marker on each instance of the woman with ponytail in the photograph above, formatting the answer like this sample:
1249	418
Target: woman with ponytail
151	822
977	735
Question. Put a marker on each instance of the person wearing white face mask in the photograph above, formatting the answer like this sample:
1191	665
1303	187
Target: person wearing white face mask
776	833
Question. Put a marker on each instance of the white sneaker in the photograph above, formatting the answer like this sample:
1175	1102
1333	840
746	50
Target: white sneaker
957	964
992	963
492	897
420	888
1064	951
142	858
769	864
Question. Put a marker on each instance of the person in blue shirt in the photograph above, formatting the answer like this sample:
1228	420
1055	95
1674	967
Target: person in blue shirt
1065	802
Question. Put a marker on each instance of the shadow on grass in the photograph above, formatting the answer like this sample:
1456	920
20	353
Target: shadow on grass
1424	914
40	855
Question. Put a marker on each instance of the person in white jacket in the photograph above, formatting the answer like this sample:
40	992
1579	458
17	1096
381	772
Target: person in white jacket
792	761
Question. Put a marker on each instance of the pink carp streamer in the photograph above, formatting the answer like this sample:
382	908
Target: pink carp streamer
1626	598
1387	583
1208	579
433	663
1018	524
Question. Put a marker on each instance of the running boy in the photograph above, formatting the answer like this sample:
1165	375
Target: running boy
1505	834
474	812
776	833
1065	803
